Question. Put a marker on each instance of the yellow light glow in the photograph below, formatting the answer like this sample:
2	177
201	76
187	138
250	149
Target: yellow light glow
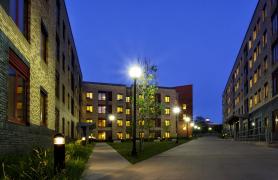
111	117
59	140
176	110
83	138
192	124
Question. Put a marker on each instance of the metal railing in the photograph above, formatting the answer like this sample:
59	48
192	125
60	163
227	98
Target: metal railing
255	134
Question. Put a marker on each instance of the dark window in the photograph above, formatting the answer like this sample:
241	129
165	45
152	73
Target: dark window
72	106
275	82
57	119
57	48
18	81
44	39
18	11
72	82
43	108
275	53
63	94
274	20
57	85
63	125
72	129
64	30
58	11
64	62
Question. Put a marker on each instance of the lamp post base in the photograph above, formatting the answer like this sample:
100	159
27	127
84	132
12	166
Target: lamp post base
133	152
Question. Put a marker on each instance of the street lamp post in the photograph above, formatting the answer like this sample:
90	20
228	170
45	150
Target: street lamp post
187	120
176	111
135	72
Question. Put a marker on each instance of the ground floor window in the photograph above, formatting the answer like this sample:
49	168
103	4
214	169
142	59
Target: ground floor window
102	136
18	80
43	108
127	135
167	134
119	135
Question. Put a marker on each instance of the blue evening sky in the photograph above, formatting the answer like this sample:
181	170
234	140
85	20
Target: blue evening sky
192	42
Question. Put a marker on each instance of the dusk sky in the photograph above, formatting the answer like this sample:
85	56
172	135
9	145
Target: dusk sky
192	42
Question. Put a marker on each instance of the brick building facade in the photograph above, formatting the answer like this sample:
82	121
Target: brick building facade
250	102
103	99
39	65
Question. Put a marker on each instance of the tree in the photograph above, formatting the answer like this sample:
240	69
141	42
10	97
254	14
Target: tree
149	107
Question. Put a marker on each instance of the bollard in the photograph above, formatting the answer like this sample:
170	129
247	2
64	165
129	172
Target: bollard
59	152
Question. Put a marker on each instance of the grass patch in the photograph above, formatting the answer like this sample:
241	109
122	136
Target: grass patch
149	149
40	164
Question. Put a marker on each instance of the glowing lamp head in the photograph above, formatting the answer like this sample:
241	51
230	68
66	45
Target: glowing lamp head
83	138
192	124
176	110
187	119
111	117
59	139
135	72
199	128
209	128
253	124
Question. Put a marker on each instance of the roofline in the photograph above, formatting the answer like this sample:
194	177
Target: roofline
242	44
101	83
123	85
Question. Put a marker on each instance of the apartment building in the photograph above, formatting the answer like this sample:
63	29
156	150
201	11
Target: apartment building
250	104
40	76
100	100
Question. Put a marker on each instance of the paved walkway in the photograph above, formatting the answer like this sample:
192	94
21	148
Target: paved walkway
206	158
103	162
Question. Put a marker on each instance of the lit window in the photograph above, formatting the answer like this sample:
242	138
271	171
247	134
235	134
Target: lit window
251	82
119	135
89	108
184	106
89	95
266	90
101	123
167	111
119	97
127	111
250	63
101	109
127	123
127	135
256	99
167	134
17	90
127	99
119	109
89	121
264	39
141	122
255	77
102	135
120	123
167	122
101	96
141	134
167	99
250	103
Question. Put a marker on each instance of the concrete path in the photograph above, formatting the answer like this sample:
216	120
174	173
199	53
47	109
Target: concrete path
104	161
207	158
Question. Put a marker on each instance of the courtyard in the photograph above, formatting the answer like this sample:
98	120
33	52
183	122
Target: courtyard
203	158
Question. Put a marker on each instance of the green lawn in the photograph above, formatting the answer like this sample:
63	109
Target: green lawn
39	164
149	149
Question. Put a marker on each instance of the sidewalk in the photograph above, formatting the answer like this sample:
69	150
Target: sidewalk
103	161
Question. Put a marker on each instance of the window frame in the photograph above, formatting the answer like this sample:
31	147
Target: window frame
24	72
